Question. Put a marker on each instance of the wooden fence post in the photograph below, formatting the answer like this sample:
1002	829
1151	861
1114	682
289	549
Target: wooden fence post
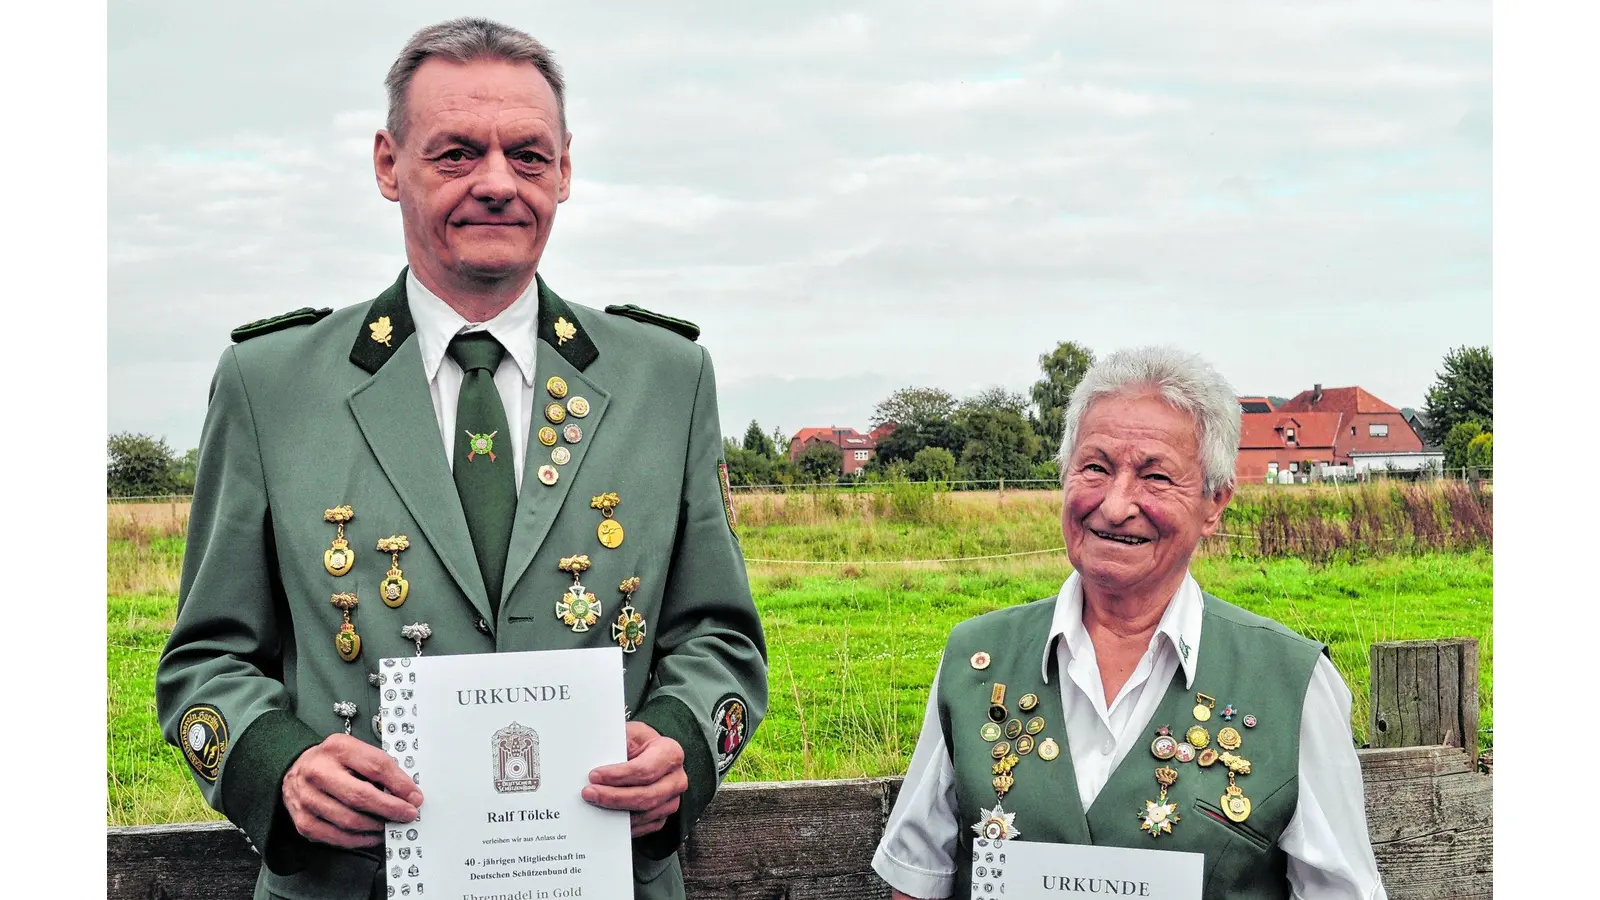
1425	692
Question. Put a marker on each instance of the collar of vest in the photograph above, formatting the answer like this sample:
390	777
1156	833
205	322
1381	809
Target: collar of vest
388	324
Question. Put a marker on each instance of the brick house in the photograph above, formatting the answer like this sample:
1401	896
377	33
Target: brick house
855	447
1328	425
1370	425
1272	443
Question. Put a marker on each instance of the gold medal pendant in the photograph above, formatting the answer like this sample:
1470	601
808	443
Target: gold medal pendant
610	530
1235	805
1158	815
577	609
394	587
346	641
628	630
1203	704
339	558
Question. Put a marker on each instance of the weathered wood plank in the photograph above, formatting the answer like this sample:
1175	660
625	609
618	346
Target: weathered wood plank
1424	693
1450	707
1469	697
1430	708
1429	814
1445	866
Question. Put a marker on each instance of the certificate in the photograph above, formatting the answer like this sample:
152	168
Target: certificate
501	745
1035	870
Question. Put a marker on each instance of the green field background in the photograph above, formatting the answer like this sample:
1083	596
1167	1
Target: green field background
857	596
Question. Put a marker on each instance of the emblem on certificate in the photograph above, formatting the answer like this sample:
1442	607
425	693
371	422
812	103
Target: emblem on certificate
516	759
577	609
338	558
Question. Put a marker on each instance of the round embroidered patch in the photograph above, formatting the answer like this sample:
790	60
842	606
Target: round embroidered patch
732	728
203	734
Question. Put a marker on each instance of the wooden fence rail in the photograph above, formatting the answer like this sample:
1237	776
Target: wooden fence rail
1429	812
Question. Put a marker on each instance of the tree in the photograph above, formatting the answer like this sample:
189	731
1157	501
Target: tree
914	406
907	440
138	465
780	443
997	398
1480	452
757	441
1462	392
999	445
1457	442
187	468
932	464
821	462
1062	369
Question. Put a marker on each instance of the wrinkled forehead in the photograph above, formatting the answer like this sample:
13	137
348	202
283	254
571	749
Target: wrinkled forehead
1138	424
483	96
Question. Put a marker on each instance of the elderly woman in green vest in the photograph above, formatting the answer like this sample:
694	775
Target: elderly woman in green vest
1134	709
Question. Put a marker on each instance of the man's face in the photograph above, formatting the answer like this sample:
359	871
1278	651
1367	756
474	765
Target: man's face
1136	505
484	163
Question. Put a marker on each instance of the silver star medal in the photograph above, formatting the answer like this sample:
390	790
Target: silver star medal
995	824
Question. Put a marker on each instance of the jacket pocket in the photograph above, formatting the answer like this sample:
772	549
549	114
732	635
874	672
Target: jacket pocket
1214	814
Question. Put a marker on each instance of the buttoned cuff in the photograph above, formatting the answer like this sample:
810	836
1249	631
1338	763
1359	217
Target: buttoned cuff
669	716
252	787
910	880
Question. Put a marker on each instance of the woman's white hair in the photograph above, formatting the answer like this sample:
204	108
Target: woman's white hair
1186	382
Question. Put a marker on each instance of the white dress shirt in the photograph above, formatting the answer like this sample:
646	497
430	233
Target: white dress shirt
1329	850
515	328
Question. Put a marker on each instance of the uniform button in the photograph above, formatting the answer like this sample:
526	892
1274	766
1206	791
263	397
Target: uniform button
1107	747
483	626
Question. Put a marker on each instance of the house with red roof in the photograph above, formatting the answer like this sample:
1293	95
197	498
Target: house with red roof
1323	428
855	447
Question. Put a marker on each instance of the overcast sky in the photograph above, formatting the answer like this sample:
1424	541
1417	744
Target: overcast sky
850	198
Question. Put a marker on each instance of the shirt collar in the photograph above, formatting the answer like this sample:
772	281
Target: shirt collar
515	327
1179	625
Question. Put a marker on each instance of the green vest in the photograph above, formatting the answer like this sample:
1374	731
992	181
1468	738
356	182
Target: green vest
1255	664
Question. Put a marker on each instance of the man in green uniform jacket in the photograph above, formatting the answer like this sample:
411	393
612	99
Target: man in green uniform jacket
420	472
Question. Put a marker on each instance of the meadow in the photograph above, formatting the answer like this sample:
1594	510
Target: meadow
858	591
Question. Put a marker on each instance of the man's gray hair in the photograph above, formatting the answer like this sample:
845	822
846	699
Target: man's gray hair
463	41
1186	382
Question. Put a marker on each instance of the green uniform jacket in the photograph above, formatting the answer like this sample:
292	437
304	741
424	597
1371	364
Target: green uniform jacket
316	411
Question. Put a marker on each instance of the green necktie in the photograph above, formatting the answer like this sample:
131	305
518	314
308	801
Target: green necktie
484	469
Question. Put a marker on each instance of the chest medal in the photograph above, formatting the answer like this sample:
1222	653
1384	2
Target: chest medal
394	587
577	609
339	558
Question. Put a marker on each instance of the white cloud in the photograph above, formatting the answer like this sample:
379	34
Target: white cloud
853	201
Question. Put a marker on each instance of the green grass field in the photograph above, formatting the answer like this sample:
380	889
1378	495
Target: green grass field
853	644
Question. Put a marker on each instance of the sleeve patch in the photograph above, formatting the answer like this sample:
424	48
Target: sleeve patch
305	315
203	734
639	314
732	729
727	494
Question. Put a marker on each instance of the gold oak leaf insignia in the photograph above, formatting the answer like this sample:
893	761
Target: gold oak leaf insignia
565	330
382	330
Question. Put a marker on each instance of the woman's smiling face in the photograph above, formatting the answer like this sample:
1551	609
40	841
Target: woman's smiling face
1136	506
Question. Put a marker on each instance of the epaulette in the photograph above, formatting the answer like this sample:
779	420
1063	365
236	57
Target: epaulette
682	326
305	315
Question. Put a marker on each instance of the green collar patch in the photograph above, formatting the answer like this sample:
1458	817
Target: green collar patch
682	326
385	327
559	327
305	315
